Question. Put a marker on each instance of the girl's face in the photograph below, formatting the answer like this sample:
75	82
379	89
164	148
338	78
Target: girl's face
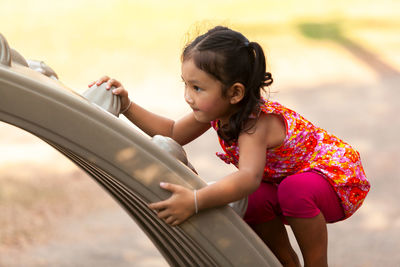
203	93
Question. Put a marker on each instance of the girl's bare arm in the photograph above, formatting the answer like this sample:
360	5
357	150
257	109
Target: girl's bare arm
183	130
268	130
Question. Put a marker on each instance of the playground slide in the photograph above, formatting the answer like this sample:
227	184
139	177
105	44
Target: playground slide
125	163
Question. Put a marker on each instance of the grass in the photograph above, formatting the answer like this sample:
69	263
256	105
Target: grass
330	30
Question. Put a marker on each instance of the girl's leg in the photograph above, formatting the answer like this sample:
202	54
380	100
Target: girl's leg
274	235
312	237
308	201
261	215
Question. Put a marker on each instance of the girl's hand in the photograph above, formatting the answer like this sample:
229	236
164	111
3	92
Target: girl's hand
176	209
119	90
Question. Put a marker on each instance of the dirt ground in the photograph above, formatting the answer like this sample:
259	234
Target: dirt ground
52	214
82	226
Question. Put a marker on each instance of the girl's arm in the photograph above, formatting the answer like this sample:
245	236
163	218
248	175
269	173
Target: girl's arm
247	178
182	131
269	131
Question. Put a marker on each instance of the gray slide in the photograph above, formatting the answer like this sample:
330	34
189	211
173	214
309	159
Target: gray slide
125	163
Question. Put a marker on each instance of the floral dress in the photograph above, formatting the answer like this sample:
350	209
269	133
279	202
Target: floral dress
309	148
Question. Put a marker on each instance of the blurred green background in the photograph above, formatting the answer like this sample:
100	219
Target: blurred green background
139	42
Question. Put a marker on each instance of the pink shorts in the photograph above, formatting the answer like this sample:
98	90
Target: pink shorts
302	195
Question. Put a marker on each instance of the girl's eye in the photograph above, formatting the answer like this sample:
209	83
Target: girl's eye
196	88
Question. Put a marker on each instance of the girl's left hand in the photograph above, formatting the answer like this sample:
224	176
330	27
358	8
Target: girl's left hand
176	209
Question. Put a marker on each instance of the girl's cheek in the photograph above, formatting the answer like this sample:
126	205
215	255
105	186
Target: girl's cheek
205	106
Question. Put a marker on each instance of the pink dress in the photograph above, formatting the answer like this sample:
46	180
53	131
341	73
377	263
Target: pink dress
309	148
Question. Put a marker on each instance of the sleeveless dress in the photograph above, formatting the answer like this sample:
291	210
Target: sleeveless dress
309	148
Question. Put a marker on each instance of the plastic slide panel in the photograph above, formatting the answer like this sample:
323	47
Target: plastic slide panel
127	165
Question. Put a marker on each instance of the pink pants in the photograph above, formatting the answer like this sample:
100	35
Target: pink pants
302	195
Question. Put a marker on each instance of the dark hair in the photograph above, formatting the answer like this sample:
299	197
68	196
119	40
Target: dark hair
229	57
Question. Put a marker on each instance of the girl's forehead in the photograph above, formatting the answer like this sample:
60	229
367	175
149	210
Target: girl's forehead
191	73
189	65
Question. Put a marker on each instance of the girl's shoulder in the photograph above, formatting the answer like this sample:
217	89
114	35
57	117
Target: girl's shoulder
274	128
266	107
269	106
274	107
268	124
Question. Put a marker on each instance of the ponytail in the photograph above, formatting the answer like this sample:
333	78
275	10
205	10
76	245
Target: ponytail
259	78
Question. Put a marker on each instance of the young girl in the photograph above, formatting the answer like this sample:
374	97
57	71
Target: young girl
291	171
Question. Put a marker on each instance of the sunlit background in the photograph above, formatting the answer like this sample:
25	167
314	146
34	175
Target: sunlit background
337	62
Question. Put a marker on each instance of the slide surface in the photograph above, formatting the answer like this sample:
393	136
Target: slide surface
126	164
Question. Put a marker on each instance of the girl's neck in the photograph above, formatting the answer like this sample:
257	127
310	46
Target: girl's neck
225	120
246	125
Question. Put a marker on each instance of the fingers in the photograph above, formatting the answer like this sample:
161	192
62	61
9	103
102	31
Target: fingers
170	220
100	81
170	187
172	210
91	84
118	91
112	82
176	222
168	217
163	212
158	205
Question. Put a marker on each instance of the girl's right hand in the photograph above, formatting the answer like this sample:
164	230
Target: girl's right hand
118	90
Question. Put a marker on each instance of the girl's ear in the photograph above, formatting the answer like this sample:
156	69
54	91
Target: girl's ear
236	93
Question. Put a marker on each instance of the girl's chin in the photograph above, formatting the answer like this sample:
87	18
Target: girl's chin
200	118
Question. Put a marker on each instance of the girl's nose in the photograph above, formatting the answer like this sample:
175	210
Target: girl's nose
188	98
